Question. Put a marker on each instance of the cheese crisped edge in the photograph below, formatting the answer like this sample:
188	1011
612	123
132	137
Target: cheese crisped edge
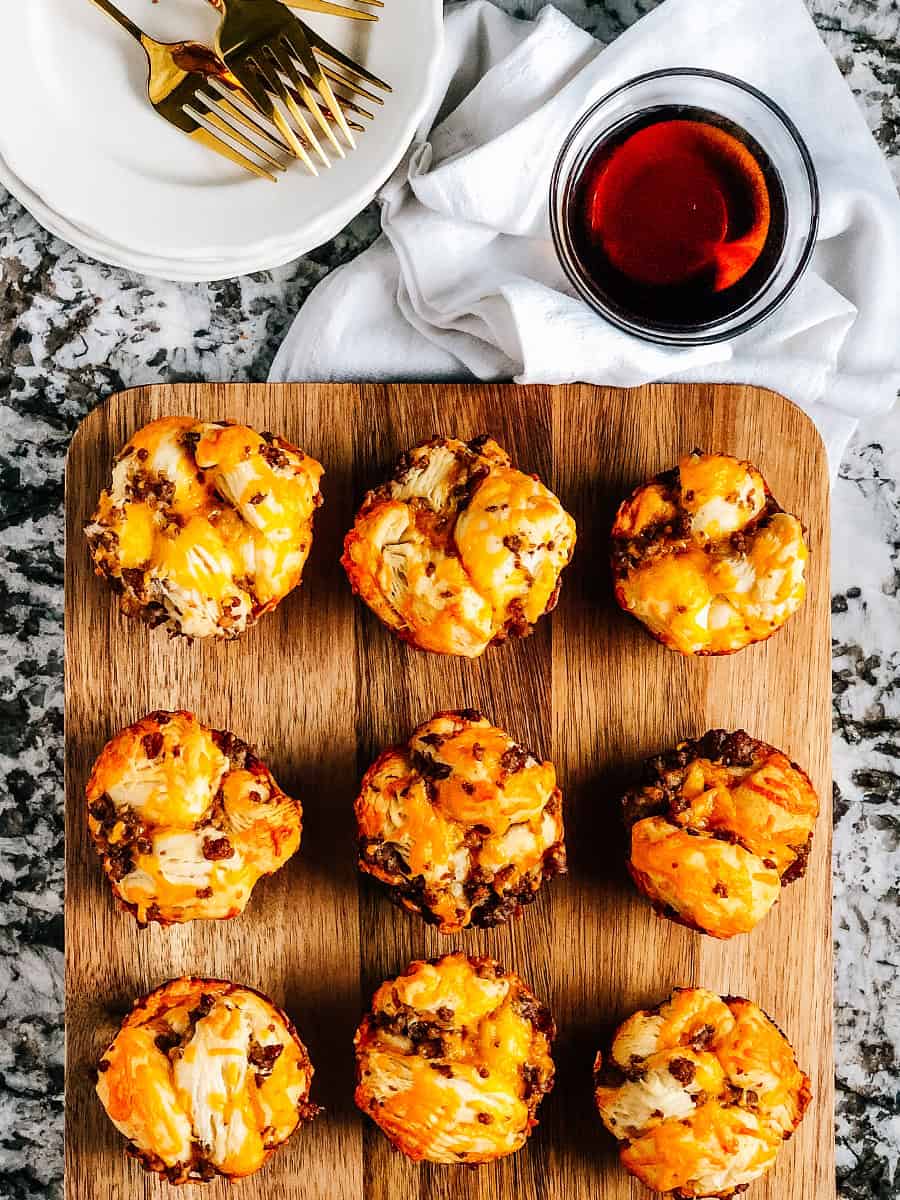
700	1092
453	1059
717	827
461	823
705	557
459	549
205	525
186	819
205	1078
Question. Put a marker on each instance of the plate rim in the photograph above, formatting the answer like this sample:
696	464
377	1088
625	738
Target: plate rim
171	270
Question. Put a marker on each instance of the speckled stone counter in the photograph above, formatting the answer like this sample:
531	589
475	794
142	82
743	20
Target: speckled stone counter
72	331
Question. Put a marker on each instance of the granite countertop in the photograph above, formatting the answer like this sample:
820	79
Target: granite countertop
72	331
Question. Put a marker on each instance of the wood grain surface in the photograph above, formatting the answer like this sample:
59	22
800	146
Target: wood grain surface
320	687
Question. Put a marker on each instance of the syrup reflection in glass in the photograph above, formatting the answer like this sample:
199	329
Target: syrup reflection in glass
684	206
679	217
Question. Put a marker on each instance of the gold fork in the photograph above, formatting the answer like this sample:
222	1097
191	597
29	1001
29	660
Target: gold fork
351	71
338	10
182	76
262	42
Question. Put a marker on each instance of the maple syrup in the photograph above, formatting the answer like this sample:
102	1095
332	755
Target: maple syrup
678	217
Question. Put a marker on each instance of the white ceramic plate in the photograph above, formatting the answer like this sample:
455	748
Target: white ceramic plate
116	181
187	271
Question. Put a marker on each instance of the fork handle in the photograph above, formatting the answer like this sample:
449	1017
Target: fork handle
323	6
336	10
117	15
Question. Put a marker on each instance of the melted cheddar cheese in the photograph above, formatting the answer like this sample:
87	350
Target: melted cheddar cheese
453	1060
728	820
186	819
206	525
716	886
459	549
205	1078
706	559
461	823
701	1092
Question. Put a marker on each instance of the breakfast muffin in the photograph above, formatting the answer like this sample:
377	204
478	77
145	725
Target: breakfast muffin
205	1078
461	823
718	826
705	557
205	526
700	1093
453	1060
459	549
186	819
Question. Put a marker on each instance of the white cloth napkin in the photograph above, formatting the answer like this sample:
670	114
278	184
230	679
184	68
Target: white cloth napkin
464	282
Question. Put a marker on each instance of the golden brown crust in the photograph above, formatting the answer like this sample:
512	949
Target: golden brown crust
461	823
717	827
186	819
705	557
453	1059
459	549
205	1078
700	1092
205	526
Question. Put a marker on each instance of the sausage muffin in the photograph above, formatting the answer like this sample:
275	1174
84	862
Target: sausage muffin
705	557
205	526
459	549
453	1060
205	1078
700	1092
186	819
461	823
718	826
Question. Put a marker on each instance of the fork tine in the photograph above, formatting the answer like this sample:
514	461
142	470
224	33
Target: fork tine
257	77
349	104
295	89
345	98
208	135
286	63
352	86
237	114
251	82
242	110
337	56
273	82
354	125
338	10
301	48
227	123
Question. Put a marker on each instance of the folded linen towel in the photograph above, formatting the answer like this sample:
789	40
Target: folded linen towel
464	282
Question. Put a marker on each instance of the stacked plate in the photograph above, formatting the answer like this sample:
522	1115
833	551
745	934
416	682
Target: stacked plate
85	153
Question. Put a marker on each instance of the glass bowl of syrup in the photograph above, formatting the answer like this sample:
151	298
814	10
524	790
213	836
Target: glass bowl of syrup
684	206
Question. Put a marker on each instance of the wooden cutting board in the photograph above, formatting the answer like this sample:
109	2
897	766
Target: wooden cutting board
319	687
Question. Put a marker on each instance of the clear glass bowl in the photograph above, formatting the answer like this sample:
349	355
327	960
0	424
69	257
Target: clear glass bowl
735	101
